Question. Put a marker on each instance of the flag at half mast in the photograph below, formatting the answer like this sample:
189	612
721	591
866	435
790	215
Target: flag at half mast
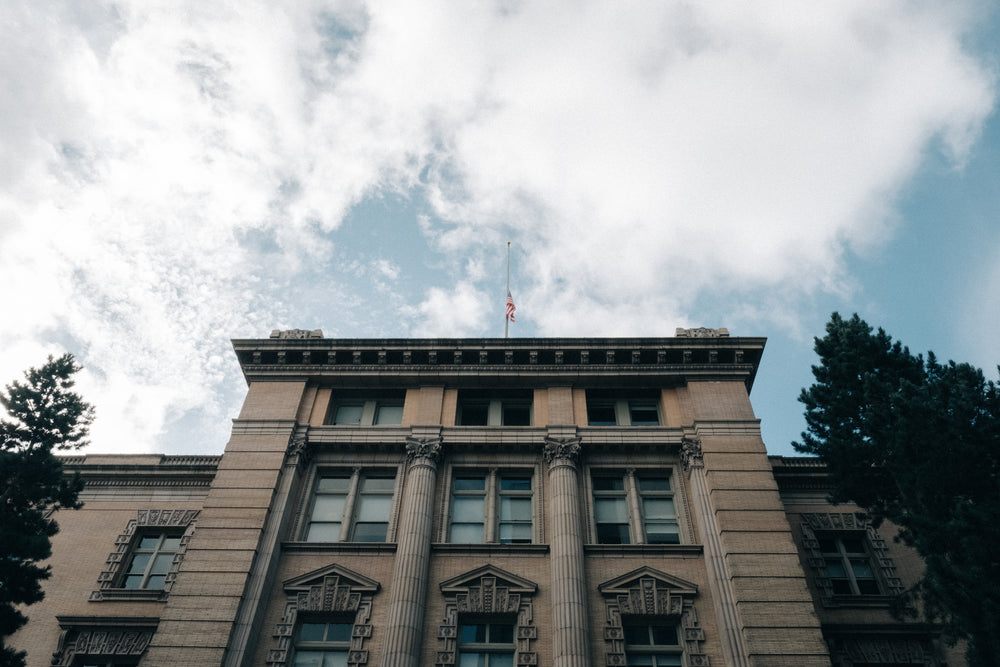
510	306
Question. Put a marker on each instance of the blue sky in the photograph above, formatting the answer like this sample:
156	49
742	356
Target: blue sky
177	174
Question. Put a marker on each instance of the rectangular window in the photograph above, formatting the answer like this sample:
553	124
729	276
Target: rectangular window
604	409
483	409
849	565
353	409
648	493
351	507
486	645
656	645
491	507
151	559
323	644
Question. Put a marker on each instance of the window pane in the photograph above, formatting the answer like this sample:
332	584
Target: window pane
312	632
516	415
473	634
654	483
862	569
501	634
342	483
374	508
609	484
610	510
328	508
370	532
171	544
668	660
324	532
664	635
472	659
636	635
475	414
868	587
133	581
389	414
467	533
501	660
662	534
515	509
339	632
335	659
162	563
853	546
828	546
835	569
308	659
515	533
139	563
601	415
377	484
515	484
348	414
644	415
658	508
639	660
156	583
467	509
149	542
610	533
469	484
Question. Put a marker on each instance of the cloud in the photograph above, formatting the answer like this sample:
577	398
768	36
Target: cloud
177	173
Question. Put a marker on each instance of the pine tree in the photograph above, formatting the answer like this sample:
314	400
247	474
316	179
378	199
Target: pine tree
917	443
43	415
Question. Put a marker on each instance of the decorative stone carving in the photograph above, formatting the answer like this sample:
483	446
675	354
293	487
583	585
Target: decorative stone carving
117	559
650	596
561	451
702	332
100	643
423	449
481	594
691	456
333	591
883	650
296	334
847	522
298	452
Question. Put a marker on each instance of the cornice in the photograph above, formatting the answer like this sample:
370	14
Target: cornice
145	470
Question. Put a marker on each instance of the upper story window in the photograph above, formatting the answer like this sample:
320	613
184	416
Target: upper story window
494	409
353	409
351	507
848	564
634	508
151	559
491	507
604	409
657	644
323	644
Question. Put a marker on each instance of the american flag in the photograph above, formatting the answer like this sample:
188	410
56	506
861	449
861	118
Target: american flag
510	307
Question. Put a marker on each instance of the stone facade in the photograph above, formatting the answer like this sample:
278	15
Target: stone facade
568	502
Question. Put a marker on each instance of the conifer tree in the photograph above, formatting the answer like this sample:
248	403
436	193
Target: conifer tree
917	443
43	415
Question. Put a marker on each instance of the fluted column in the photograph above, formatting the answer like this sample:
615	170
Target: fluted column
570	623
408	596
733	646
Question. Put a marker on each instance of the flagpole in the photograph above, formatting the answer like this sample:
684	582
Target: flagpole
506	318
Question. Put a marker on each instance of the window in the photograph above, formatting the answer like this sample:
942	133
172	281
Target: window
477	409
605	410
486	645
323	644
657	645
491	507
650	494
384	410
848	565
151	559
351	507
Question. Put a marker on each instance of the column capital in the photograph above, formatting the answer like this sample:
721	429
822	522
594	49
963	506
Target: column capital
297	453
423	450
561	451
691	456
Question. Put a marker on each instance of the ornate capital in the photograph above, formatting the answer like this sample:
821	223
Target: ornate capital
423	450
691	454
561	451
297	453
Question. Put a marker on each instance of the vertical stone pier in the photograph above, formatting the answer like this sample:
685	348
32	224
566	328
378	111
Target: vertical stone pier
570	622
408	596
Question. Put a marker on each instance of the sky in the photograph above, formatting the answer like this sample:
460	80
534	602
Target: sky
174	174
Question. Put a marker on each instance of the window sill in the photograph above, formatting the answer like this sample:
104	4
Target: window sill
635	549
492	549
129	595
857	601
342	547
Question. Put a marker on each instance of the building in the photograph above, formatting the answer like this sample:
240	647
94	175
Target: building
453	502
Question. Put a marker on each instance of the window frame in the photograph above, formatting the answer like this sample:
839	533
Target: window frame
487	648
634	499
371	406
324	646
353	501
624	409
847	561
496	410
157	550
652	648
492	495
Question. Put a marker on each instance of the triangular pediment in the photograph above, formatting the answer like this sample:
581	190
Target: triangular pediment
622	584
358	582
508	580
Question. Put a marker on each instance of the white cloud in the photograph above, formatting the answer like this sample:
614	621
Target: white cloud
177	173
